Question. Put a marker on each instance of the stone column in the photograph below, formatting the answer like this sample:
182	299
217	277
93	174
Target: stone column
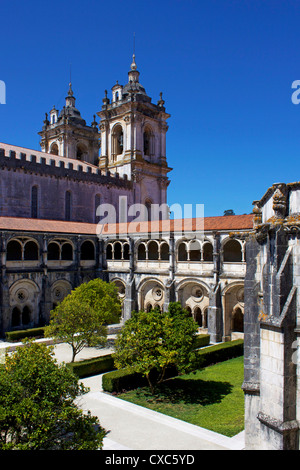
170	282
214	311
214	315
130	303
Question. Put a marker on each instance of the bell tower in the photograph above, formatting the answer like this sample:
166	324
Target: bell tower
133	139
66	133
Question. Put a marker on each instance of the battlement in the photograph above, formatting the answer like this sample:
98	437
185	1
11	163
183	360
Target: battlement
13	157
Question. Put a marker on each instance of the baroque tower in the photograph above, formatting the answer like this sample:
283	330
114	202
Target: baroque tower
67	135
133	140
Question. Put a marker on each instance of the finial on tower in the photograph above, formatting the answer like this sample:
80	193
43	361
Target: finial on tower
133	65
70	92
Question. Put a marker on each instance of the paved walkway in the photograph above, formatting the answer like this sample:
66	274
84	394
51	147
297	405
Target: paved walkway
132	427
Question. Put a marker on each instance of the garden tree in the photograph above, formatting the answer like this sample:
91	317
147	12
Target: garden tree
80	319
37	409
154	341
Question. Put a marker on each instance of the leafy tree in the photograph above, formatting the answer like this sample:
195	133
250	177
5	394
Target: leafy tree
37	409
156	340
80	319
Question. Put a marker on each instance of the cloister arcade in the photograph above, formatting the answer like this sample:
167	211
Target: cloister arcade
66	261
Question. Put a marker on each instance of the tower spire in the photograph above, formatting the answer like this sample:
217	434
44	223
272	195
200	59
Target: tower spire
133	65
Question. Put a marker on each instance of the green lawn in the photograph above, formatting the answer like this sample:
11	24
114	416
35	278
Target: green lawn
211	398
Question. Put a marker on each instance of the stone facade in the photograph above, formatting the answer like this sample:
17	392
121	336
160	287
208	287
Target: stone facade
54	178
271	325
43	260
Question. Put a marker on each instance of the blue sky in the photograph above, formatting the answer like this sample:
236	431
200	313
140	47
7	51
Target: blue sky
225	68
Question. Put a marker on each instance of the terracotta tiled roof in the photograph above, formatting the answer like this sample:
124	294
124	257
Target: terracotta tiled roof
226	223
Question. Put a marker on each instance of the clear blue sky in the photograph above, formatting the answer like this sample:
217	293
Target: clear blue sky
225	68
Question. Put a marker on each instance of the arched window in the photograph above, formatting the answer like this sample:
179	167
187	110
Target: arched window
164	252
117	141
53	251
126	251
54	149
67	252
152	250
207	252
31	251
26	315
14	251
232	251
80	152
109	252
141	252
198	316
15	317
87	251
147	142
189	310
195	251
68	205
117	251
238	320
182	253
34	202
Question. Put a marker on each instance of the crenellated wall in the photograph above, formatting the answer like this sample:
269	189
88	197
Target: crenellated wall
53	176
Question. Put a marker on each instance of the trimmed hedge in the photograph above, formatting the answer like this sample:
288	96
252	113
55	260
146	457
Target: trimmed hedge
96	365
221	352
16	335
120	380
202	340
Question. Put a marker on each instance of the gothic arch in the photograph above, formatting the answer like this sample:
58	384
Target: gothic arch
22	249
193	295
24	303
151	291
182	250
87	250
60	250
232	250
207	251
121	286
14	250
59	290
232	303
117	250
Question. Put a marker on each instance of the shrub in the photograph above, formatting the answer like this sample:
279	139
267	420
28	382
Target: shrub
157	340
96	365
17	335
123	379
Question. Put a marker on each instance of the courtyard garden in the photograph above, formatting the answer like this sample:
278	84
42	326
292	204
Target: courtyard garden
210	397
